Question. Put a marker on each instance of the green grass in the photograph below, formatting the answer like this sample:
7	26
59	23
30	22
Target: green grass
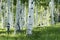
39	33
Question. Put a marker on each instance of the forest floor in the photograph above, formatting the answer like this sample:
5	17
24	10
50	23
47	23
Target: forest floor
39	33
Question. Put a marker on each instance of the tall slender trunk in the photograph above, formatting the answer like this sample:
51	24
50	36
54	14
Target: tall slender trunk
22	16
8	15
52	11
41	19
3	14
45	17
1	11
12	15
30	17
17	24
25	14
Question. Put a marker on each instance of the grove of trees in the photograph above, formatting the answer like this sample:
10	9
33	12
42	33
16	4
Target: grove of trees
20	14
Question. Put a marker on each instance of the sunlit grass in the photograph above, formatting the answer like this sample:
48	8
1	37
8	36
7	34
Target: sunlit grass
39	33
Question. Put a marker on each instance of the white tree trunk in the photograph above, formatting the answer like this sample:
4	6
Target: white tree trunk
22	16
8	17
45	17
1	12
12	14
3	15
17	24
52	11
30	17
41	19
0	4
25	15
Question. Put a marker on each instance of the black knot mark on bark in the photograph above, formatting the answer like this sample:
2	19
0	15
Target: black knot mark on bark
32	8
29	16
2	7
32	2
